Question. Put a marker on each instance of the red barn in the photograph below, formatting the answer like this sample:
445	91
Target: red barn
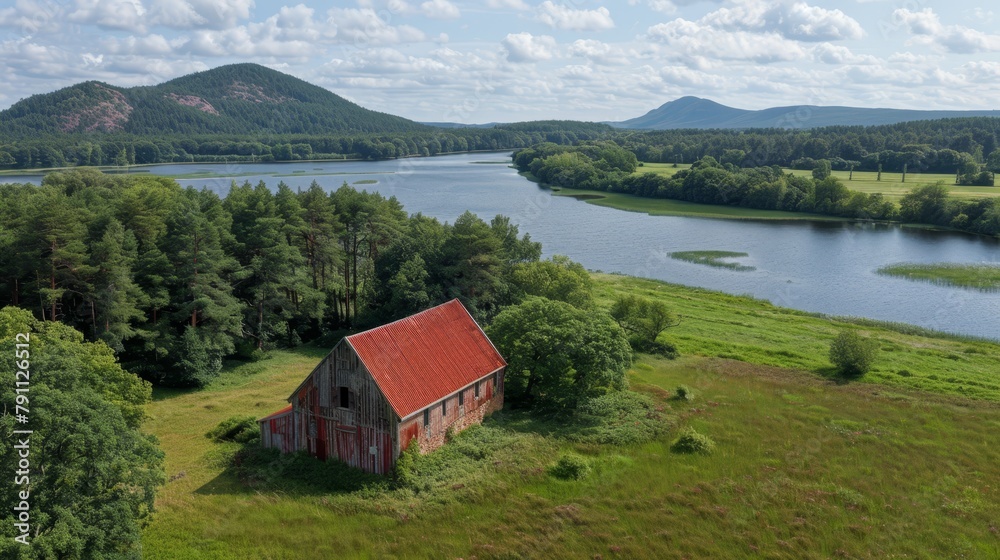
415	378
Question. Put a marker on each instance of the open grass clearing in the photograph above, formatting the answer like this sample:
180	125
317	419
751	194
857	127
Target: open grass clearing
804	466
892	187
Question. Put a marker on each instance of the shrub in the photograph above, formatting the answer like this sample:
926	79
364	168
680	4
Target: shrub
240	429
853	354
685	393
403	472
617	418
570	467
691	441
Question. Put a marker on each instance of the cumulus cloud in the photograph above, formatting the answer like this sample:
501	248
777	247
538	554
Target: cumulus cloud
508	4
598	52
365	26
838	54
564	17
695	40
927	27
187	14
798	21
525	47
440	9
109	14
671	6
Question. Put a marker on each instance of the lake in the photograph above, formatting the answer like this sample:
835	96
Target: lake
826	267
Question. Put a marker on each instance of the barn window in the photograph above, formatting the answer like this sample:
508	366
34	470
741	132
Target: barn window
461	398
427	417
444	407
477	389
345	395
496	379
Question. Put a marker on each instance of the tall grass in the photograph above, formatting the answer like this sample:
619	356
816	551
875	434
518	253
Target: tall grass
982	277
713	258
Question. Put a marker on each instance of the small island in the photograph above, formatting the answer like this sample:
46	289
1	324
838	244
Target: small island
983	277
713	258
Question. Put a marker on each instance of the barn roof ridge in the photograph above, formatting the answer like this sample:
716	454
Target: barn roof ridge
444	340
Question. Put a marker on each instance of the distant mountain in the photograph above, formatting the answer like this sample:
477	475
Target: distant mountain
695	112
235	99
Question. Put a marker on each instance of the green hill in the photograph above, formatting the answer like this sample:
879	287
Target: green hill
236	99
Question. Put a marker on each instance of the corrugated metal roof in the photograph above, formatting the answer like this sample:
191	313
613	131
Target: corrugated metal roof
425	357
285	410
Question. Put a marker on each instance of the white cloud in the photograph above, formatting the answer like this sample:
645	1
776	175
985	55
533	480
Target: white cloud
837	54
508	4
795	21
189	14
365	27
153	44
525	47
598	52
89	59
696	41
671	6
110	14
563	17
927	26
440	9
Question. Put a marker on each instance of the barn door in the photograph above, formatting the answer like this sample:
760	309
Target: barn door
347	445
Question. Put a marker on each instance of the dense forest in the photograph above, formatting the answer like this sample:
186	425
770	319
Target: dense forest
605	166
938	146
175	280
123	149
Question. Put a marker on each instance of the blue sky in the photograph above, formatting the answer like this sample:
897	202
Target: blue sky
507	60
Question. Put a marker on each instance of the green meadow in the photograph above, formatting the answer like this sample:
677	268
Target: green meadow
893	188
901	464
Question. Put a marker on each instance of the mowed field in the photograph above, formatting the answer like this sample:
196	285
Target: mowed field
900	465
891	185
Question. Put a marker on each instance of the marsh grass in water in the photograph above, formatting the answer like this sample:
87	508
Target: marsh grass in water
983	277
713	258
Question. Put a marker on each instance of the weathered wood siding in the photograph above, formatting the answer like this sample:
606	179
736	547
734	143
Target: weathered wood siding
277	431
450	414
361	431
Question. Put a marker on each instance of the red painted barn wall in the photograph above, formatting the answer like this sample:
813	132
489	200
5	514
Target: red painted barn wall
452	416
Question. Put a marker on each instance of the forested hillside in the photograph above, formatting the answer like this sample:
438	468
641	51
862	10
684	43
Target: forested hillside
239	99
175	280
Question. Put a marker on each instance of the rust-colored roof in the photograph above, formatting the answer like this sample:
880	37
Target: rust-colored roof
425	357
285	410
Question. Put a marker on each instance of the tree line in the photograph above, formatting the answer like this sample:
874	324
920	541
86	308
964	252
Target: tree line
176	280
124	149
604	166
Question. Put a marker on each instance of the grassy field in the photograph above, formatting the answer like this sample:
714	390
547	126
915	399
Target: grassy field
979	277
900	465
892	187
